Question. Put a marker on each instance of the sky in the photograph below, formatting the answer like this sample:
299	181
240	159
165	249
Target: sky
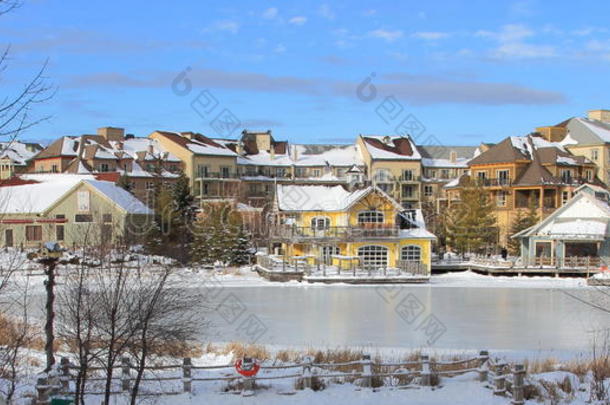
453	72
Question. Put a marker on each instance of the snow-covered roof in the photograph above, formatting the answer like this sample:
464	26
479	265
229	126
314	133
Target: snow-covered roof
447	163
317	198
264	158
48	189
582	217
390	147
323	155
18	152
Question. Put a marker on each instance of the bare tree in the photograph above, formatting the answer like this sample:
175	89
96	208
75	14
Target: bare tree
16	109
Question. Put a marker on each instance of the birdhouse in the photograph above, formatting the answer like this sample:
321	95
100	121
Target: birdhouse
51	250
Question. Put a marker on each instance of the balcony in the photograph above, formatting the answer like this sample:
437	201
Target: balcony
369	231
409	179
230	176
495	182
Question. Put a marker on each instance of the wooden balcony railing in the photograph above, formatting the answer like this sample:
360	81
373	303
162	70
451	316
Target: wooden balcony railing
335	232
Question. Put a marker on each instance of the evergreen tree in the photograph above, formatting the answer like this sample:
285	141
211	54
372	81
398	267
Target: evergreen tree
471	223
220	237
174	214
522	221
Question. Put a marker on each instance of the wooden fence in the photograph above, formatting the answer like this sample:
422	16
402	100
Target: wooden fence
495	375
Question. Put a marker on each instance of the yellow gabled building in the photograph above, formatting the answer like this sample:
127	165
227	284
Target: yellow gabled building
363	228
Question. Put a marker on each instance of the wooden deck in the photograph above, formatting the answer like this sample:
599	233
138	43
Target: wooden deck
497	269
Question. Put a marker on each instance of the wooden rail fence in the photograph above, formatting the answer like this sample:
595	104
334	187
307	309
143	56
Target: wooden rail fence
499	377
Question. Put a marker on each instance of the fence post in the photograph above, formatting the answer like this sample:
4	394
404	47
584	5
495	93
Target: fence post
42	389
248	390
500	379
367	371
518	377
186	374
307	361
125	377
426	379
483	367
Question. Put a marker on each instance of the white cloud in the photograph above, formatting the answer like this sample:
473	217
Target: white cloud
326	12
511	43
225	25
298	20
430	35
387	35
270	13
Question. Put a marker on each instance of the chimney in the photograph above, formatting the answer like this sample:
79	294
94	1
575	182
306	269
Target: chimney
599	115
453	156
295	153
552	133
272	152
112	133
239	148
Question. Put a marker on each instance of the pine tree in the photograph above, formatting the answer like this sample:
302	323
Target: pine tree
220	237
471	223
522	221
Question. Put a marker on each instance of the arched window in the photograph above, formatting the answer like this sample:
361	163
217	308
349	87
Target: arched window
370	217
320	223
375	257
411	253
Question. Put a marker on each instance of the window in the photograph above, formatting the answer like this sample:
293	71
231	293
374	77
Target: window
566	175
428	191
202	171
589	175
382	175
107	218
370	217
280	171
83	201
59	232
444	173
54	168
320	223
503	177
83	218
408	191
565	197
594	155
501	199
225	172
33	233
481	176
373	257
386	187
60	216
150	185
433	174
410	253
407	175
299	172
316	173
205	189
104	167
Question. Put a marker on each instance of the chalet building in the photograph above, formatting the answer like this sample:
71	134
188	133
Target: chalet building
210	165
15	157
524	168
74	210
144	161
440	165
576	235
394	165
365	228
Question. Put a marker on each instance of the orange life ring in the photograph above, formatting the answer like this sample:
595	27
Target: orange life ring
247	373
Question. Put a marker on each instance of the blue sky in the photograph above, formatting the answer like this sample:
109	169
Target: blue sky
467	71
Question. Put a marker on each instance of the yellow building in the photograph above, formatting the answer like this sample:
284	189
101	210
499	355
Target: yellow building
364	228
393	164
210	166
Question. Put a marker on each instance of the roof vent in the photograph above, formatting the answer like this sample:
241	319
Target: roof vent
387	140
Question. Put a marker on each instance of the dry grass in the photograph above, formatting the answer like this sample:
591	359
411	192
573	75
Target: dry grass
12	329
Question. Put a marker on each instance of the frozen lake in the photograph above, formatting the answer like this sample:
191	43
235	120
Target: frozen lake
534	320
